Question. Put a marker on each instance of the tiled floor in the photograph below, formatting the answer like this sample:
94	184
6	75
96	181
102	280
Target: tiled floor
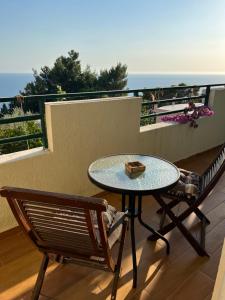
181	275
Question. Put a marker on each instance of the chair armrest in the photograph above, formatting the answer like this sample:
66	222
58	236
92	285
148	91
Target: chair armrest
118	223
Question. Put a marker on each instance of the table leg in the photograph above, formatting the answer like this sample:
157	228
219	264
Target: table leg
123	202
156	233
132	235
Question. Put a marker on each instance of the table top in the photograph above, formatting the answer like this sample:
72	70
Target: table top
109	173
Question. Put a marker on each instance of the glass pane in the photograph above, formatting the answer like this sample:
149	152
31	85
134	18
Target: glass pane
110	171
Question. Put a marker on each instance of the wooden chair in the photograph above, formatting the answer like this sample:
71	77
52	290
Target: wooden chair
69	228
207	182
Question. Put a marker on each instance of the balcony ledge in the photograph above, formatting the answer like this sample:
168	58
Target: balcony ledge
12	157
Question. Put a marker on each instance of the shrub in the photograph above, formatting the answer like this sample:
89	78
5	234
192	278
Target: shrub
18	129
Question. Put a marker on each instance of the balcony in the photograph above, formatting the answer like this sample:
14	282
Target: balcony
181	275
79	132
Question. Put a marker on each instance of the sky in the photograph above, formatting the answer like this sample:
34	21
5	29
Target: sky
148	36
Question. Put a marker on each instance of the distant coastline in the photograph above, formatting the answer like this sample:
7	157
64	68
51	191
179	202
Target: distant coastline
177	73
12	83
136	81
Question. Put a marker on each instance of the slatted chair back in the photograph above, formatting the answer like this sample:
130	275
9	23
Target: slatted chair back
63	225
213	173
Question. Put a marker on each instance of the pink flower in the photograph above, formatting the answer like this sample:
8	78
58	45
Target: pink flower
191	117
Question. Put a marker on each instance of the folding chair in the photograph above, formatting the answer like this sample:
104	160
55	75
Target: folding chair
69	228
168	201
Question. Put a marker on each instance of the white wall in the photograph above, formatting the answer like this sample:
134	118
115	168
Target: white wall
82	131
219	288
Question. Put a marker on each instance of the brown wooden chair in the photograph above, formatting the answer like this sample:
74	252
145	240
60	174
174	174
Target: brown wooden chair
68	228
207	182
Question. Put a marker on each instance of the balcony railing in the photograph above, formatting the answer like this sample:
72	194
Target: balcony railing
148	114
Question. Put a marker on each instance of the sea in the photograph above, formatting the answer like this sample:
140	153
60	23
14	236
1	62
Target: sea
12	83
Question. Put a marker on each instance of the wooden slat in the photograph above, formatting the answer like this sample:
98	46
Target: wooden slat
72	244
62	217
82	251
54	208
60	231
82	240
51	205
78	236
62	224
210	175
59	213
66	243
81	222
212	171
54	226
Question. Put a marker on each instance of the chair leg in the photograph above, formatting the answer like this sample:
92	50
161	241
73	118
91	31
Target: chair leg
173	203
115	283
194	243
119	260
162	219
201	216
40	278
176	221
202	236
164	230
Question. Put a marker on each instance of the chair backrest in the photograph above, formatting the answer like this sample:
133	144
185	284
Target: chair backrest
213	173
62	224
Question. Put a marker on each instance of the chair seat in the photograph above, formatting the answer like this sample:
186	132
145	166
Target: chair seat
110	217
116	234
188	186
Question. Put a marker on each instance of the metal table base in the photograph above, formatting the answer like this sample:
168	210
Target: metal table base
133	213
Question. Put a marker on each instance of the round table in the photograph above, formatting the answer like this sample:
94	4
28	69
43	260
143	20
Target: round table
109	174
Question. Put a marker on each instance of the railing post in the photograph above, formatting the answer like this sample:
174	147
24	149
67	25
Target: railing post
43	124
207	95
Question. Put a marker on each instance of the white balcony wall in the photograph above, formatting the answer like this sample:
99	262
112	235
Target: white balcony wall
82	131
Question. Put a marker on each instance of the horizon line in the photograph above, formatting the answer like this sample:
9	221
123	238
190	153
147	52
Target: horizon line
177	73
151	73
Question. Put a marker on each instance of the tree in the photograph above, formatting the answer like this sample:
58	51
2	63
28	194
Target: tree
67	75
114	79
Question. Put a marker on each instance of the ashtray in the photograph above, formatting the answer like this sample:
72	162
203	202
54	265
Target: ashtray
134	167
